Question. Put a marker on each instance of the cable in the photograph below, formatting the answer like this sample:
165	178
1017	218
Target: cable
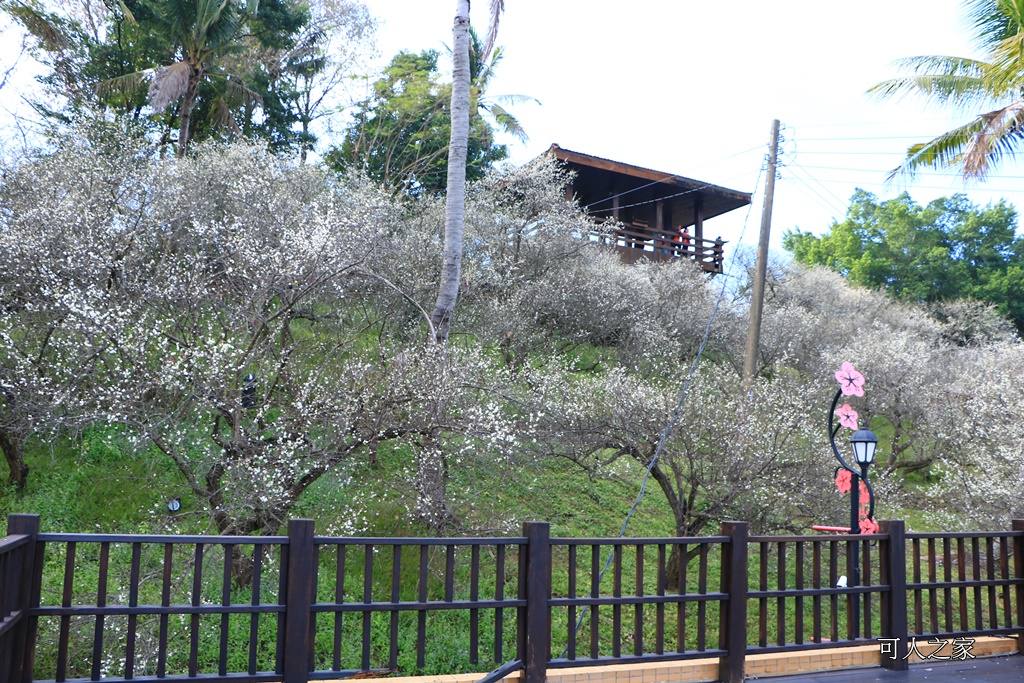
670	177
816	198
843	203
671	196
672	421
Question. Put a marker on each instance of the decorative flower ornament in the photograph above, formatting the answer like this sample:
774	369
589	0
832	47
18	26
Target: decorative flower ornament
868	526
844	480
850	381
847	416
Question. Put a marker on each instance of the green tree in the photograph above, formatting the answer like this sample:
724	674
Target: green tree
994	83
400	133
208	66
950	249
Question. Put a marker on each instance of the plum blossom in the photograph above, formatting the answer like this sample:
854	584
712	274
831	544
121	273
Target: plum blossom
847	416
850	381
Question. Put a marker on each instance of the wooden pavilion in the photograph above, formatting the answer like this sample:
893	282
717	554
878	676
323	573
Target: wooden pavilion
661	214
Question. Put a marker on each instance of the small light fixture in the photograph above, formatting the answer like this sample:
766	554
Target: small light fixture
174	504
249	391
864	443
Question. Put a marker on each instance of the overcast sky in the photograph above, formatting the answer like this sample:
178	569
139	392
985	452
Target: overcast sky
692	87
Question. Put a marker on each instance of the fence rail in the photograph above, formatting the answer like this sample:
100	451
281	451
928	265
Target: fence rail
304	607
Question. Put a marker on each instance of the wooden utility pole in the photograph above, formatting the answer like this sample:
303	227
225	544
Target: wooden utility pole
761	269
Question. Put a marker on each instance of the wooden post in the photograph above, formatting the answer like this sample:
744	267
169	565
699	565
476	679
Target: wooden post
698	223
661	240
732	635
23	586
537	649
299	597
1018	573
893	558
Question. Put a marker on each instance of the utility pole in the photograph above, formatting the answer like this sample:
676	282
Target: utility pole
761	269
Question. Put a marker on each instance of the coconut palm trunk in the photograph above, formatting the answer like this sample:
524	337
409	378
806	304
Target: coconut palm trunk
185	114
455	208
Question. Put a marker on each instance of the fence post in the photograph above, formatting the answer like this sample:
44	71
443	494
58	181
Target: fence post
537	649
732	620
298	598
893	553
1018	573
25	585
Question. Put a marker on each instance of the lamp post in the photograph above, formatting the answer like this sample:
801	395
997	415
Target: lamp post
864	443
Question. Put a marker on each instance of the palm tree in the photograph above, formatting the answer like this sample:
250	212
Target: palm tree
455	204
202	30
996	82
491	106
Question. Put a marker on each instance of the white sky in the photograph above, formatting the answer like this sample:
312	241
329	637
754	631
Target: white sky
692	87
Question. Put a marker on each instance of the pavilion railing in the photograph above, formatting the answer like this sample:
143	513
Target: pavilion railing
640	241
304	607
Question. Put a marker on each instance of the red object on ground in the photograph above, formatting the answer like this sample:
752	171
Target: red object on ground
837	529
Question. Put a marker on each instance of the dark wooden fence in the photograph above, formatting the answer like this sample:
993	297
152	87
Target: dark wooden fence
304	607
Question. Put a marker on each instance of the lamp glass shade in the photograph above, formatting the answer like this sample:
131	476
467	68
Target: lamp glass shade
864	443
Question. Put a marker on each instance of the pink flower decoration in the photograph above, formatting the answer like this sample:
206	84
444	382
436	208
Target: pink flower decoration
868	526
844	481
850	381
847	416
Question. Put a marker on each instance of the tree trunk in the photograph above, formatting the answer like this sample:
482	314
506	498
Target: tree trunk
10	444
455	209
186	110
432	485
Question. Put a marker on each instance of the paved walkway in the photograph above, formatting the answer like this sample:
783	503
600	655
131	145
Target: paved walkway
987	670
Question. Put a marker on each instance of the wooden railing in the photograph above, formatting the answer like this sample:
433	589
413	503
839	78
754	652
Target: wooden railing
636	241
303	607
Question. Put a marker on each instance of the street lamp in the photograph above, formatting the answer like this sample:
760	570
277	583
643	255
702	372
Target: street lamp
863	443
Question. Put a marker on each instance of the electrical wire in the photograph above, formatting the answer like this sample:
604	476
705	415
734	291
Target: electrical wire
673	420
670	177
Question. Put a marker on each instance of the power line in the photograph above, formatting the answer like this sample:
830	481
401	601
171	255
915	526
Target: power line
842	202
672	421
670	177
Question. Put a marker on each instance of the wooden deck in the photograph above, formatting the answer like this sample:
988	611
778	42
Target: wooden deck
991	670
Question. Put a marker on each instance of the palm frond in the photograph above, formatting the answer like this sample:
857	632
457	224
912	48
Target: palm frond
1000	135
514	99
944	151
993	21
958	91
976	146
1004	72
496	7
124	84
942	79
42	26
168	85
237	92
123	9
508	123
223	117
947	64
208	12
